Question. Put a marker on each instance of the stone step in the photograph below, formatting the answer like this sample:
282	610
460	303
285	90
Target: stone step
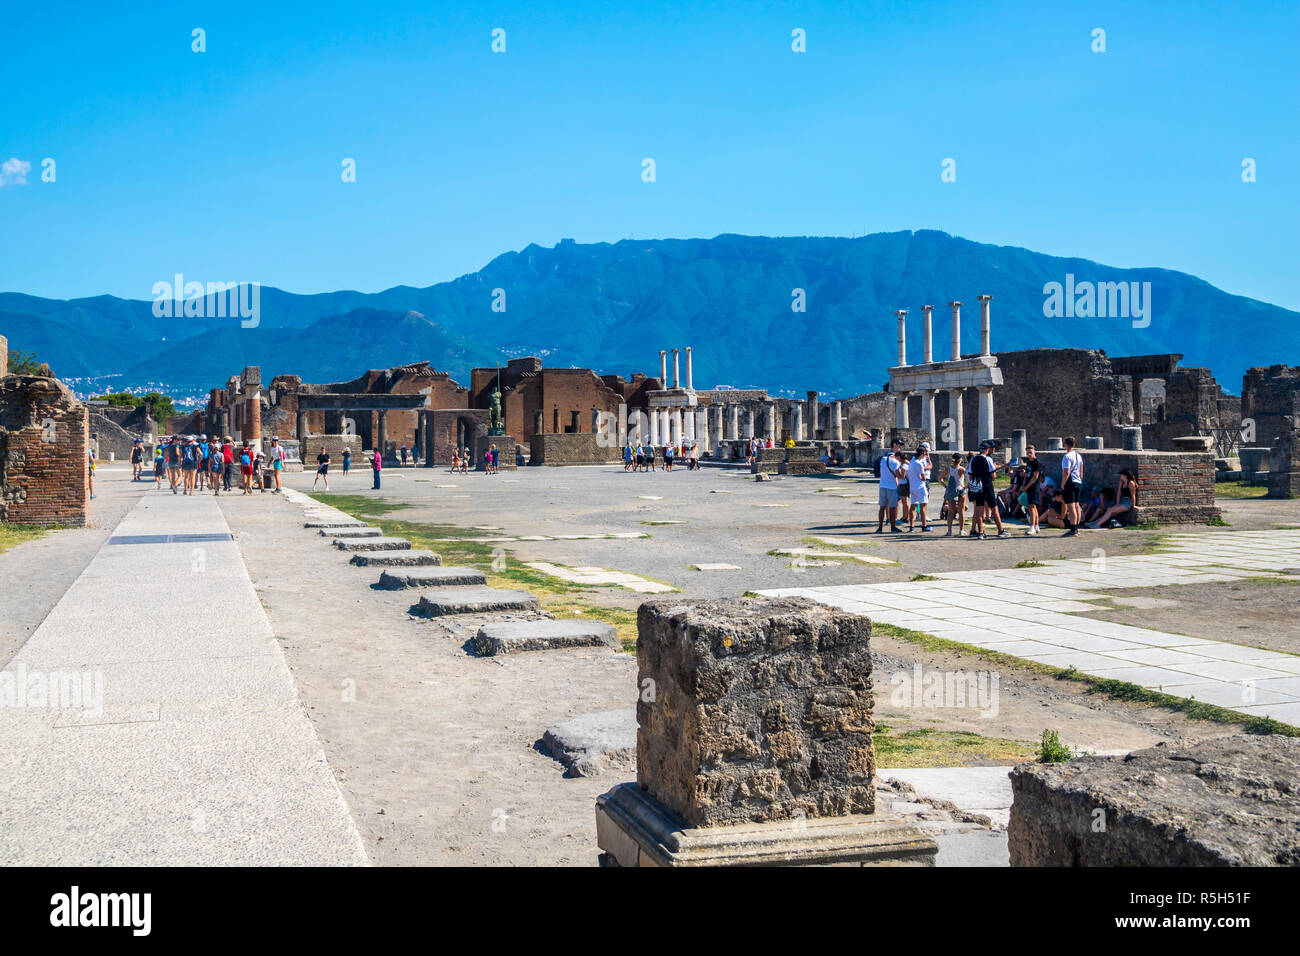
509	637
590	744
365	531
437	577
372	544
473	600
414	558
333	523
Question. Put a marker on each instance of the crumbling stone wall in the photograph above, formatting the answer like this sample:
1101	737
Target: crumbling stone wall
1284	458
1268	399
1228	801
44	436
571	449
754	710
1175	487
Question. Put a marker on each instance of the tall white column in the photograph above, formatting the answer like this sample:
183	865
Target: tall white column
663	368
749	423
677	366
717	427
654	426
676	426
690	374
665	426
927	414
733	421
956	329
986	412
796	422
702	434
958	419
837	422
984	324
900	410
622	425
927	344
688	423
902	335
771	421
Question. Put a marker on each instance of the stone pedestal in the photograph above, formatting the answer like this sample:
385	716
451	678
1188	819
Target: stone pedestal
1132	437
1097	442
1019	443
754	741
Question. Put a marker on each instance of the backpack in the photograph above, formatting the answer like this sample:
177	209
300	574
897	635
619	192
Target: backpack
244	460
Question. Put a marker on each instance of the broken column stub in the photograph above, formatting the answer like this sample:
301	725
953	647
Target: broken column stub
754	741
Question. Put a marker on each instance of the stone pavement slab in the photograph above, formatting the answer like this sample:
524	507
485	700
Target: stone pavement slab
473	600
439	576
411	558
509	637
189	744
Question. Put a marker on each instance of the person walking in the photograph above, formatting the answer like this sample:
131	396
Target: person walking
627	457
954	496
347	461
228	464
159	465
377	465
982	495
322	470
259	471
1072	488
403	454
174	463
90	466
190	458
918	478
668	457
277	462
246	469
137	460
216	465
890	468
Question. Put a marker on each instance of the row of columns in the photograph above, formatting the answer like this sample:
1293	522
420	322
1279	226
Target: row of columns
928	423
927	339
663	369
712	424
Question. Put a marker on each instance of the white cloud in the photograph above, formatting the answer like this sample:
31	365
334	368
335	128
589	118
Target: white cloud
13	172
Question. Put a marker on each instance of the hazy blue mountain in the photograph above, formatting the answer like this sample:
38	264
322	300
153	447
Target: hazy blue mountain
612	306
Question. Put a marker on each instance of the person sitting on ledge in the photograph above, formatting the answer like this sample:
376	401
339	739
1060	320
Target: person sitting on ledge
1123	499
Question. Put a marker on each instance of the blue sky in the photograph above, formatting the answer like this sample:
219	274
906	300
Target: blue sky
225	165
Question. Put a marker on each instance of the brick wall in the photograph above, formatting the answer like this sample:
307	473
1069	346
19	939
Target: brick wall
44	435
571	449
1174	487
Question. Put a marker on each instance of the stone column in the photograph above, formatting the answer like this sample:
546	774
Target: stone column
690	374
688	423
927	414
539	423
927	343
427	431
383	435
302	430
749	422
733	425
986	412
1019	442
984	324
796	422
622	425
900	409
1131	435
677	377
837	421
771	421
717	428
663	368
702	433
675	426
654	426
253	431
956	329
810	427
902	335
1054	443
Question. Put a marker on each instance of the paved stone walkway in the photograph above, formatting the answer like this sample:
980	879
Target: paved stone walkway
1028	613
180	738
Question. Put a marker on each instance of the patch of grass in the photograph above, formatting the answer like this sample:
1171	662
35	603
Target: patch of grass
924	577
1116	690
1144	526
932	747
1239	490
1051	750
1029	563
652	523
1218	522
359	505
624	620
12	535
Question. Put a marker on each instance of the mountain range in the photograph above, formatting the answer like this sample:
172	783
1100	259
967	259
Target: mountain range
613	306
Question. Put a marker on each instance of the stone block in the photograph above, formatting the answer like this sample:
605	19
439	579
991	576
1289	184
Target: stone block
509	637
333	523
435	577
592	744
411	558
372	544
473	600
758	710
1228	801
349	533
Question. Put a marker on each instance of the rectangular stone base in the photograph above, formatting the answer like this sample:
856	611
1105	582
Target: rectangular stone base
635	829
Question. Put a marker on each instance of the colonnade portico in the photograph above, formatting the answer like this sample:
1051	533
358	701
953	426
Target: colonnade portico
954	375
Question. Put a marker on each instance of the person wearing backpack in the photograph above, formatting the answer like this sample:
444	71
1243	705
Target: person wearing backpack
982	472
190	458
216	465
228	464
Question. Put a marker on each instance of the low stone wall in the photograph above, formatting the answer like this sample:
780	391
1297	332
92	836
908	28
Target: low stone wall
1175	487
44	438
1230	801
582	448
313	445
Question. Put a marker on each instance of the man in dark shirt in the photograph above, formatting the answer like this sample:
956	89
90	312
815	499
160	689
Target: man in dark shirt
982	471
323	460
1033	488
